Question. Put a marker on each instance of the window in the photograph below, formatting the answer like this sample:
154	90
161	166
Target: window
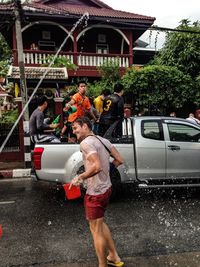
46	45
121	132
183	133
152	130
101	38
46	35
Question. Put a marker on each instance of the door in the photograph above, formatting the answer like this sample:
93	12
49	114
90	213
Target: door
150	149
183	150
120	134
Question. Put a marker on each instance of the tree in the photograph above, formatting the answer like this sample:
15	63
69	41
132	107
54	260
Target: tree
182	49
4	66
5	55
5	51
160	87
197	101
60	62
110	74
109	71
95	89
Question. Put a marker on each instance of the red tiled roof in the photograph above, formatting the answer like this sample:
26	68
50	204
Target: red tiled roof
101	3
42	8
101	12
61	8
32	7
97	2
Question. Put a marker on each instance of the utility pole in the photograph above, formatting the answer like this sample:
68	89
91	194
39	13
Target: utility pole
23	86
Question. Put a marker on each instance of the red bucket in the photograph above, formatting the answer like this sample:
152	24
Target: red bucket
1	231
72	193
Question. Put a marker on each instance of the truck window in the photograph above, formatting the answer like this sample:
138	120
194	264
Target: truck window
121	132
152	130
183	133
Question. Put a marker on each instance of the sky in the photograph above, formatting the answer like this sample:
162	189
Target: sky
168	13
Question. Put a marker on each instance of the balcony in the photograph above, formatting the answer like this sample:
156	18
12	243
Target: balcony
86	63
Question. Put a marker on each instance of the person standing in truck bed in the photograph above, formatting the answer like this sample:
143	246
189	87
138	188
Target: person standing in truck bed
82	104
98	101
113	109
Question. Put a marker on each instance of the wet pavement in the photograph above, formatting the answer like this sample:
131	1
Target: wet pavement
151	228
172	260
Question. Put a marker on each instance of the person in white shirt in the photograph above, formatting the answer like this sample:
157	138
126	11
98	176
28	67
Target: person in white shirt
192	119
96	152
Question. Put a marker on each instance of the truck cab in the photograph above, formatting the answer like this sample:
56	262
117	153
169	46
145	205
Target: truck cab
165	150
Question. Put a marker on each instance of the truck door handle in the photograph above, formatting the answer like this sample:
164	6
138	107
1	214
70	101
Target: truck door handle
173	148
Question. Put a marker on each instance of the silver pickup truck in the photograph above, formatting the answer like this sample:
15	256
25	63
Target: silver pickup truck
157	152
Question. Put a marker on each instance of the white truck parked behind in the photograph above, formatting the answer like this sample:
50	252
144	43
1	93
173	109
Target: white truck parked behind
157	152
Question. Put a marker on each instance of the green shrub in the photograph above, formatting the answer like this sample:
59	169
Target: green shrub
10	116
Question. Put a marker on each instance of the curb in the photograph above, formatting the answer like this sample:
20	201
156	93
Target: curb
16	173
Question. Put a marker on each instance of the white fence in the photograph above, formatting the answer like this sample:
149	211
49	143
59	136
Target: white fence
41	58
31	58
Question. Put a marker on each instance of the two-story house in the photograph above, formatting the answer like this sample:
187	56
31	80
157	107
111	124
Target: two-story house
102	34
105	34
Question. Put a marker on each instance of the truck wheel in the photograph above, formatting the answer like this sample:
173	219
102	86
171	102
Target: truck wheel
116	183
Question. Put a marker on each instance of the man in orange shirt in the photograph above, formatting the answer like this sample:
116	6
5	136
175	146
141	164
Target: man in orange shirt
82	104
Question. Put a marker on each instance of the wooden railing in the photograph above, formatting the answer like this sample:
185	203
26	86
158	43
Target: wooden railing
96	60
41	57
37	57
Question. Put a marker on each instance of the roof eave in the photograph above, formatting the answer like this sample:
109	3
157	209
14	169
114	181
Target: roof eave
91	17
